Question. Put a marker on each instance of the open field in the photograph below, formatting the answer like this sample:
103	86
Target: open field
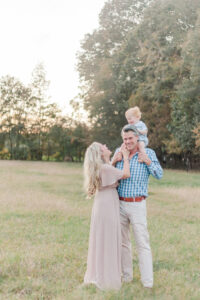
44	228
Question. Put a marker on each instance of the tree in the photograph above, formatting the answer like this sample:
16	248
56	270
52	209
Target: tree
32	128
39	107
15	100
186	103
150	64
142	66
104	104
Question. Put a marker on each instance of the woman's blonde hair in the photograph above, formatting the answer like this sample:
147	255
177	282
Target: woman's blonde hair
92	164
134	111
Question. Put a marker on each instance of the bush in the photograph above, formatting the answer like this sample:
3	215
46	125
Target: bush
21	153
56	157
4	154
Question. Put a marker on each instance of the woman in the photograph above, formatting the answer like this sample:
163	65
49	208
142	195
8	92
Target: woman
104	253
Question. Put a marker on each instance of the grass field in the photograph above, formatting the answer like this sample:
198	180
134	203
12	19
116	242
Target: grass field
44	228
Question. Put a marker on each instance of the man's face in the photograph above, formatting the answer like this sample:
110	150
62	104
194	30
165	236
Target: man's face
130	140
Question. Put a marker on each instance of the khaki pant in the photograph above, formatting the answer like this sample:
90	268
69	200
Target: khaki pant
134	213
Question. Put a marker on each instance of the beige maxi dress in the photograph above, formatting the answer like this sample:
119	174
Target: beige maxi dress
104	253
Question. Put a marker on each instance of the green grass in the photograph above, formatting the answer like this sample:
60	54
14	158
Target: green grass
174	178
44	221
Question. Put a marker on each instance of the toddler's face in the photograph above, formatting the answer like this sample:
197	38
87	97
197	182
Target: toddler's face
132	119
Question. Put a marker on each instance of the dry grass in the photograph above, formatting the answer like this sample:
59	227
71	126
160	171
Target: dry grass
44	235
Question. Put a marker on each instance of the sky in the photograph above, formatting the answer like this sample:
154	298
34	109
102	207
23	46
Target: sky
47	31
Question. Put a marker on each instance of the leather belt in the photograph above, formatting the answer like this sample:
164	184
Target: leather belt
136	199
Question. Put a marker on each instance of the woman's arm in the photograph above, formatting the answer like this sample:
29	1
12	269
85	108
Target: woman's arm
126	167
117	157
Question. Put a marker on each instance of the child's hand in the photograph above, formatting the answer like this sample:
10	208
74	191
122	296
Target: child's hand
143	157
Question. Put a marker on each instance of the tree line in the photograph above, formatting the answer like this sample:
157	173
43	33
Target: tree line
32	128
146	53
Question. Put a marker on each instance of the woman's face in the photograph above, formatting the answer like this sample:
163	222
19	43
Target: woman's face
106	153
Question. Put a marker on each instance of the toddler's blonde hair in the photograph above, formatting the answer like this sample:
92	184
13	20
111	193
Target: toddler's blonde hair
134	111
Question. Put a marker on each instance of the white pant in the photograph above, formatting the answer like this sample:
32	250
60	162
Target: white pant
134	213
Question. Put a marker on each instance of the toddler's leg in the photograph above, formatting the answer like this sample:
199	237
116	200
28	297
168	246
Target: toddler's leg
141	146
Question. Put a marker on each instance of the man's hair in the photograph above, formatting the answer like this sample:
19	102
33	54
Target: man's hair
130	127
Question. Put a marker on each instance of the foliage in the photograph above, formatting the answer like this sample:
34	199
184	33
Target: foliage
31	127
4	154
13	111
186	104
102	97
197	136
144	53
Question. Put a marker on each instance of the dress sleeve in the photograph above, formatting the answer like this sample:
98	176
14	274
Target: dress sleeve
110	175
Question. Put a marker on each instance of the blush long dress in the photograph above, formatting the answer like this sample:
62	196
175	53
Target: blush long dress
104	252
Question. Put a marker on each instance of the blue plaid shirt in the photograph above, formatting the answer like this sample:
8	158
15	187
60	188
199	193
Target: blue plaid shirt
137	184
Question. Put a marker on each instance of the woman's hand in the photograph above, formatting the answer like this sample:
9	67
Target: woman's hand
124	151
126	167
117	157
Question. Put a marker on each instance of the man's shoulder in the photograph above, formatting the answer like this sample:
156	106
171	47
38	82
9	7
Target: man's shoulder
150	151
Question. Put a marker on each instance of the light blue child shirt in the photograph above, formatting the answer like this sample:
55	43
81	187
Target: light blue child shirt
142	137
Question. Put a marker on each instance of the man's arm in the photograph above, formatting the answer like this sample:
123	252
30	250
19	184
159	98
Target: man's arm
153	165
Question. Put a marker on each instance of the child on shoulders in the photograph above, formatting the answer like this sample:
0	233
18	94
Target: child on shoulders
133	116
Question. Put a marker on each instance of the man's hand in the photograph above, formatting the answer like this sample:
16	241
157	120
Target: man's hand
143	157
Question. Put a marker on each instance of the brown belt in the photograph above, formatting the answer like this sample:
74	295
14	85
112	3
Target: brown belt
136	199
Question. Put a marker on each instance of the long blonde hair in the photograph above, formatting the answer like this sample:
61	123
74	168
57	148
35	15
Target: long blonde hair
92	164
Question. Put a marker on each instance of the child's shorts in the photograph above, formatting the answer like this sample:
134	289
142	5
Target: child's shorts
144	139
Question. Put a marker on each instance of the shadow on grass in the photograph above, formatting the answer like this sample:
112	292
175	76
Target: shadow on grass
163	265
3	277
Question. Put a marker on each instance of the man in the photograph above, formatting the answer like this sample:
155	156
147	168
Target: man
132	194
